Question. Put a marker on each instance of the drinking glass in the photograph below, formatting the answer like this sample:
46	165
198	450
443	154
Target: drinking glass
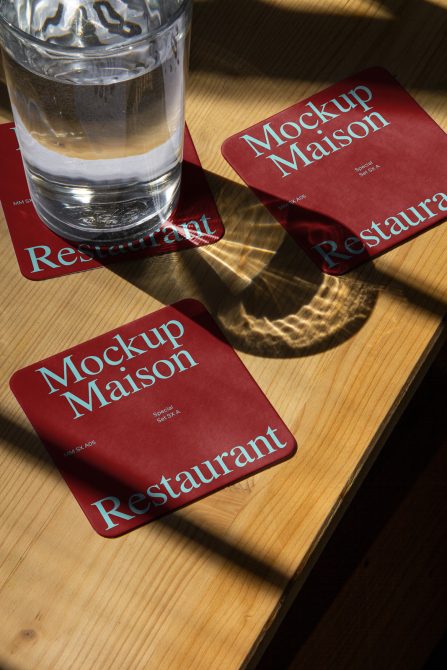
97	91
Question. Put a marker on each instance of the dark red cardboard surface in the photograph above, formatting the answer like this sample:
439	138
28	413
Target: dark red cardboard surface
150	417
42	254
347	185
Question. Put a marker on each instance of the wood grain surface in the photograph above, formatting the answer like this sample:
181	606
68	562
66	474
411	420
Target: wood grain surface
203	588
376	596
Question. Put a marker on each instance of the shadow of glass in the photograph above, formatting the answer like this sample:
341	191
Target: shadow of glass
258	39
268	297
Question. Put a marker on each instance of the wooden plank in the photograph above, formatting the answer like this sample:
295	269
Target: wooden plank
333	355
376	596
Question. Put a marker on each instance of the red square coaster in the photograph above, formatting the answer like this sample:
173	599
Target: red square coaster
150	417
350	172
42	254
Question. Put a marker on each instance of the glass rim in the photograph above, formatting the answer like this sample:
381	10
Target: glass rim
97	50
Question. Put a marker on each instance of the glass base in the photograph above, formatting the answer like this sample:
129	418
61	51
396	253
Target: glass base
104	214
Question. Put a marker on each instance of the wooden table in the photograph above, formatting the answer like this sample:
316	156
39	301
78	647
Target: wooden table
338	357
